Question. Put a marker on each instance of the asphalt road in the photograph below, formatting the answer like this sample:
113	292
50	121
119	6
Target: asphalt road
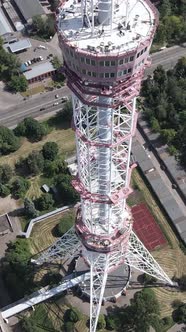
167	58
31	107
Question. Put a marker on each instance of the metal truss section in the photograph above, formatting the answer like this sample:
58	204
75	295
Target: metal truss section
139	257
116	216
93	165
99	264
87	121
67	246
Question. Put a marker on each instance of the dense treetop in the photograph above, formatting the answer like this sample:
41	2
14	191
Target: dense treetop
165	106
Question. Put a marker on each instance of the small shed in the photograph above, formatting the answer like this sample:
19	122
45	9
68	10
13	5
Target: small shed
45	188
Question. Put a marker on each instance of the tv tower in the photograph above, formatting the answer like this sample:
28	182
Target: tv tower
105	46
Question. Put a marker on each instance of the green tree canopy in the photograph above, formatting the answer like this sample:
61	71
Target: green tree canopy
67	192
29	209
50	150
35	162
179	315
20	187
8	141
44	202
72	315
6	173
32	129
18	83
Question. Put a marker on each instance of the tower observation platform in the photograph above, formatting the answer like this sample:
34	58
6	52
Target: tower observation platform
105	46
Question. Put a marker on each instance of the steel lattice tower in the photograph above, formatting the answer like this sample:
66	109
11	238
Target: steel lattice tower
105	46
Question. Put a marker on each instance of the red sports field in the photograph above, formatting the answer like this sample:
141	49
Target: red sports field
146	227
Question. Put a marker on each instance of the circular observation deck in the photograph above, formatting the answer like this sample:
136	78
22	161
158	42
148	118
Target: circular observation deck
96	47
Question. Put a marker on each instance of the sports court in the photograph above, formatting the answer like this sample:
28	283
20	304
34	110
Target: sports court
146	227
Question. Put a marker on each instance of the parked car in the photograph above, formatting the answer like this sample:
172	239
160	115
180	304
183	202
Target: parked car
64	99
56	96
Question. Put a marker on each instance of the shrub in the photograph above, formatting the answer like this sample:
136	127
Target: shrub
44	202
72	315
20	187
50	150
101	322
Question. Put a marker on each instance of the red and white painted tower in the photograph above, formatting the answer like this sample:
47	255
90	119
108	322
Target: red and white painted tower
105	46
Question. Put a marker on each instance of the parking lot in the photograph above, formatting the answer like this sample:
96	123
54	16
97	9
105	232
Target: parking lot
35	51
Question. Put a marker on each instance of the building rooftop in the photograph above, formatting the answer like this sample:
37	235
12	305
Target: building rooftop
29	8
20	45
4	25
130	26
40	69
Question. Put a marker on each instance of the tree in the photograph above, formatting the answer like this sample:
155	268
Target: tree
65	223
54	4
32	129
8	141
44	202
50	150
18	253
20	187
180	68
67	192
179	315
67	111
4	190
144	307
56	62
18	83
101	322
165	8
147	279
168	135
29	324
182	282
6	173
52	168
29	209
72	315
35	162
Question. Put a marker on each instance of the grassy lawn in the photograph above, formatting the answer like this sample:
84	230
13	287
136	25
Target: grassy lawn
44	233
63	137
171	258
33	90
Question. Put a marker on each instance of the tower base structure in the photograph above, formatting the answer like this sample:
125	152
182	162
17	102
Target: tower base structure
101	266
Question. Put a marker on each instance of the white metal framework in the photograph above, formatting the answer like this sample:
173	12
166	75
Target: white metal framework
105	47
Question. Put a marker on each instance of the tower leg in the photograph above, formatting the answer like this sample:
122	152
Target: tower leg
139	257
67	246
99	264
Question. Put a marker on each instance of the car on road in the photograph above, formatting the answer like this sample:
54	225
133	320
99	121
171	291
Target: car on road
64	99
56	96
42	108
56	103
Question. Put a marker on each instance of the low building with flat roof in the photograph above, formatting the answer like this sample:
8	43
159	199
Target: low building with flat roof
40	72
29	8
4	24
20	45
